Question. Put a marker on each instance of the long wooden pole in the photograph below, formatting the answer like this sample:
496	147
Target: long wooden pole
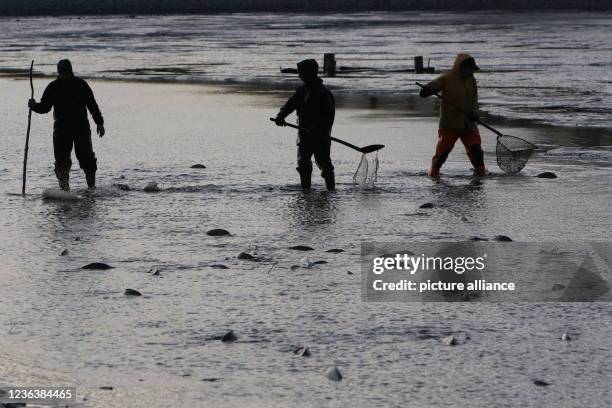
25	154
366	149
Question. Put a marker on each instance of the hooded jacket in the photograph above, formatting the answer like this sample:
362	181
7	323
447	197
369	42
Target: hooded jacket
70	100
459	91
316	108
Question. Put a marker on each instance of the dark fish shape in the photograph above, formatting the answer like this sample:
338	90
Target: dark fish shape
98	266
248	257
229	337
132	292
122	187
218	266
540	383
218	232
449	341
152	188
335	250
198	166
64	252
547	175
333	374
502	238
301	248
426	205
301	351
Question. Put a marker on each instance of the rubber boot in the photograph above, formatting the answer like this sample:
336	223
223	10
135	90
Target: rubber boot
305	178
434	173
330	182
63	178
91	180
477	158
480	171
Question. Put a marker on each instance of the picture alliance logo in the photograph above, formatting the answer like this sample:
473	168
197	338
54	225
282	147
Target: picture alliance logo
411	264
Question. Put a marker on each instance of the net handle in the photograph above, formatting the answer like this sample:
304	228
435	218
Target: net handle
491	128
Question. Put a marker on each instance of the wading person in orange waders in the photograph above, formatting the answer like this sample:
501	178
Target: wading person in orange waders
458	86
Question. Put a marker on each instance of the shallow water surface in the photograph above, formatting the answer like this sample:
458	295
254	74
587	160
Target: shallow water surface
65	325
551	67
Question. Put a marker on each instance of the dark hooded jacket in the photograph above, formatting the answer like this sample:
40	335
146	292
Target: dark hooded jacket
316	109
70	100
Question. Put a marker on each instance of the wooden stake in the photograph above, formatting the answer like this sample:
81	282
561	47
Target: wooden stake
329	64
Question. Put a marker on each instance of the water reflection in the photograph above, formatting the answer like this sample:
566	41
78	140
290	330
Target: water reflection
313	208
463	200
65	220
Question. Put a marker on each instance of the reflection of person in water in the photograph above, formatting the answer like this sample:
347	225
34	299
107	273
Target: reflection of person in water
315	108
459	87
71	97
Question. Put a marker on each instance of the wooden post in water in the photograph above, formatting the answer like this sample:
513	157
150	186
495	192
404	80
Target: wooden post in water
329	64
418	64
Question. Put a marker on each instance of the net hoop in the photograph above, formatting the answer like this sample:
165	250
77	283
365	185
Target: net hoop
513	153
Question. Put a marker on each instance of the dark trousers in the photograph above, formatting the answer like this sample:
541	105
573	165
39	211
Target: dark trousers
63	141
321	153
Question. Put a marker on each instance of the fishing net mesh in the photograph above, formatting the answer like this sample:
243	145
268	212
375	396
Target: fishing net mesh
513	153
367	171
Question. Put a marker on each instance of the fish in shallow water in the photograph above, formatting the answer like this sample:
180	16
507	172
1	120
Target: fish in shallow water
97	265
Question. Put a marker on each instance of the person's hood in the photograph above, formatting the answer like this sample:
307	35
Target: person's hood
459	59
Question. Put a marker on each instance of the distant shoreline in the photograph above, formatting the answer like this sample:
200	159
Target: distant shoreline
15	8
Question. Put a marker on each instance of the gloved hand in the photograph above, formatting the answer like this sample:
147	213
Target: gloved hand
473	116
31	103
426	91
100	130
280	121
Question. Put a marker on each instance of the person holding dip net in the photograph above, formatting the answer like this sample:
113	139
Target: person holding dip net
459	91
316	108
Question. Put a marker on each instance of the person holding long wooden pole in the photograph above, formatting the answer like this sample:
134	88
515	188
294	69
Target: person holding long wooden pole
71	98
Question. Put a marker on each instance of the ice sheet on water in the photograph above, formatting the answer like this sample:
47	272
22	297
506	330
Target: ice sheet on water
60	195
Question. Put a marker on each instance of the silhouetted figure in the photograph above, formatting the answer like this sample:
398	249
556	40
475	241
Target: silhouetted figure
459	87
71	97
316	109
